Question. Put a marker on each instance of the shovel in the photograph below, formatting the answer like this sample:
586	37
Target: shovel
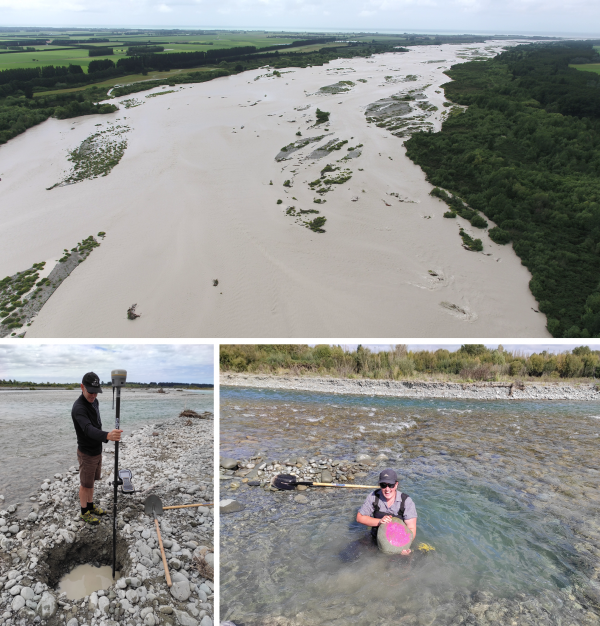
152	508
187	506
287	482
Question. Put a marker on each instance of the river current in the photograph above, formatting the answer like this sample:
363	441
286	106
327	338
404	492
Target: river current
38	437
507	492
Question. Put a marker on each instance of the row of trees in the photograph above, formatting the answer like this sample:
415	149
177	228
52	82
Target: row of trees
178	60
23	42
30	74
100	65
470	362
133	50
526	153
73	42
100	51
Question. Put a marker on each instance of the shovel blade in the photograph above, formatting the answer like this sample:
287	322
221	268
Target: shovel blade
284	482
153	506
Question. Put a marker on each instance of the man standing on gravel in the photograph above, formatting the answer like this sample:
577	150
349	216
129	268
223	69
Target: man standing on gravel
385	502
90	437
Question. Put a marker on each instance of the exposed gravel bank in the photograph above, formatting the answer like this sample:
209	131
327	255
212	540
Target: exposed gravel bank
42	539
416	389
260	469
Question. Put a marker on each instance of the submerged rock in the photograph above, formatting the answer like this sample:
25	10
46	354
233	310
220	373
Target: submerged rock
230	506
227	463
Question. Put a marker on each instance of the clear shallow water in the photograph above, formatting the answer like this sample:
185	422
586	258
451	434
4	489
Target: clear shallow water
38	437
507	493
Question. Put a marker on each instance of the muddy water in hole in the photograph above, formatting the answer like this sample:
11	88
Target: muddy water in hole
83	580
507	492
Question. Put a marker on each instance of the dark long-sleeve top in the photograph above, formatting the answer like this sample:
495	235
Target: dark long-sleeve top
88	426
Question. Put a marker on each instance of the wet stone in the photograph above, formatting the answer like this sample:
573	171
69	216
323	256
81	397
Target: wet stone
227	463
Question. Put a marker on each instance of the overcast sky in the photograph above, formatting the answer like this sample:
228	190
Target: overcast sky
462	16
144	363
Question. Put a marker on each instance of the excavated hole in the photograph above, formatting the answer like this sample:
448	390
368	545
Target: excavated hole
92	546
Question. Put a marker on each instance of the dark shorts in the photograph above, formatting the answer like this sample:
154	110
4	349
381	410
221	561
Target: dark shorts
90	469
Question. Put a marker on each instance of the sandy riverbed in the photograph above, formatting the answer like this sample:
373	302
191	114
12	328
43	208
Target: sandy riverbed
190	202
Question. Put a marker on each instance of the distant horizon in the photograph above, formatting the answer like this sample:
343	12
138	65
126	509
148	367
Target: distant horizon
102	383
312	29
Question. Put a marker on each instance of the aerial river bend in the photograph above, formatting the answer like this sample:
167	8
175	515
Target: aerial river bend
506	492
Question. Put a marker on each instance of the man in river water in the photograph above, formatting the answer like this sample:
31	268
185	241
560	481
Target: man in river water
90	437
385	502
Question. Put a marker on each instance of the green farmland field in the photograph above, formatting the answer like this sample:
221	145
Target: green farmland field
46	57
54	55
588	67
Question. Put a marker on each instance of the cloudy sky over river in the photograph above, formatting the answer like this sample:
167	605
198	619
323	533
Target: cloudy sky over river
460	16
67	363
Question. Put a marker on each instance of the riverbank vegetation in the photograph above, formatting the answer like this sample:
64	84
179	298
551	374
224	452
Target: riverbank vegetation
526	154
471	362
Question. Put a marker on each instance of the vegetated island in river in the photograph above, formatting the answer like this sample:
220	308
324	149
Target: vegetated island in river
473	371
526	153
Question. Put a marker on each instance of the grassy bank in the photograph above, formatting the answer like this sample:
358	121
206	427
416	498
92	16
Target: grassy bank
472	362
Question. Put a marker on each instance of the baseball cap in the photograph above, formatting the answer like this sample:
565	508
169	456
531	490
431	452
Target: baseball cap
388	476
91	382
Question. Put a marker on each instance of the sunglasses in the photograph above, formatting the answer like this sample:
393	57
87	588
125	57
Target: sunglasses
388	485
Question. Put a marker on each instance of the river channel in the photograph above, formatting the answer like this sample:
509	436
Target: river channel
507	492
38	436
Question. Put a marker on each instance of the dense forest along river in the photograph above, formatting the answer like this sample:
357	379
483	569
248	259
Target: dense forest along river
506	492
38	438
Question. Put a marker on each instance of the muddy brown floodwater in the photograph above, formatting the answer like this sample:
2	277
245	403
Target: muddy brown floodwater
507	492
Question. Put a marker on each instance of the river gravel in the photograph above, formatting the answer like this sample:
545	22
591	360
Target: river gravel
506	492
43	538
419	389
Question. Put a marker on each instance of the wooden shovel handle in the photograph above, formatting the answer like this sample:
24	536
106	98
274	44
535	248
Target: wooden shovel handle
338	485
187	506
162	552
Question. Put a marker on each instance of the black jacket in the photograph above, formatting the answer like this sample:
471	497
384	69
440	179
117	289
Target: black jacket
88	426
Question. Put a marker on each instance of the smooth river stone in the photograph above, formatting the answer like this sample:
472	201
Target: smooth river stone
228	463
394	537
230	506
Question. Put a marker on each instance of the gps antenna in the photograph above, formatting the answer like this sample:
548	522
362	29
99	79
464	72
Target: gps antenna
118	378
